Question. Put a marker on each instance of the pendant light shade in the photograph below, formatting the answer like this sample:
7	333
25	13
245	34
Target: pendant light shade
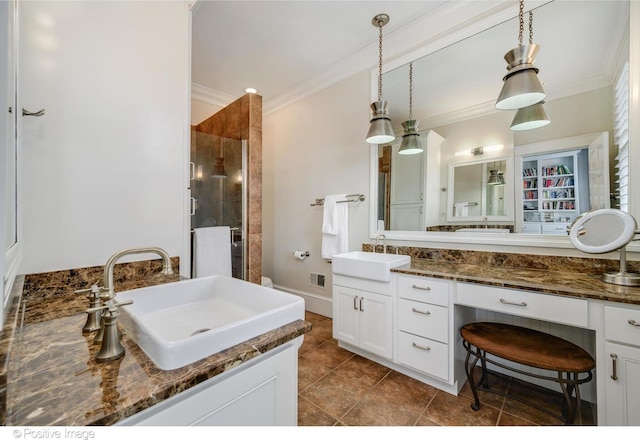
496	178
218	169
530	117
410	139
380	130
521	86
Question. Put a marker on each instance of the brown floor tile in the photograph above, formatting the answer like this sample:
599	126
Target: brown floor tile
377	409
448	410
309	372
310	415
327	355
536	395
397	386
335	394
507	419
363	370
496	383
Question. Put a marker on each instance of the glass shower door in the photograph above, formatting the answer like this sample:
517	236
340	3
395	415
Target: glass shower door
217	190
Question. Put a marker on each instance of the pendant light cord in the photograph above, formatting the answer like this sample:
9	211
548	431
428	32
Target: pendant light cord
530	27
521	17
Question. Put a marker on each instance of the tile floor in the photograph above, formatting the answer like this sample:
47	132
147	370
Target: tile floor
339	388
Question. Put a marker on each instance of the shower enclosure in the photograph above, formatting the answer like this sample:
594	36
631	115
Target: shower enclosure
218	192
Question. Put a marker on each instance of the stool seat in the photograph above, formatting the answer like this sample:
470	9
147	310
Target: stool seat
528	347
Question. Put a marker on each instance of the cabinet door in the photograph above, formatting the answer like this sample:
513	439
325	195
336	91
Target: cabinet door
375	323
623	392
346	314
407	182
407	217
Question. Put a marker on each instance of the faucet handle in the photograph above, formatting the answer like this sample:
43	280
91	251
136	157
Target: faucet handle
93	291
110	305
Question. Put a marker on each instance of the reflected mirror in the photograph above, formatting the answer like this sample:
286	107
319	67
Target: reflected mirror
454	92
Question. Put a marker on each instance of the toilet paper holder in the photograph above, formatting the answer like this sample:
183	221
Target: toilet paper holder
301	255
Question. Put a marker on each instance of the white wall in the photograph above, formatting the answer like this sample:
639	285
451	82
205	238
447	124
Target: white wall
201	110
312	148
105	168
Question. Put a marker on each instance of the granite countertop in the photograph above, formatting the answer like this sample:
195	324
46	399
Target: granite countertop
569	283
51	376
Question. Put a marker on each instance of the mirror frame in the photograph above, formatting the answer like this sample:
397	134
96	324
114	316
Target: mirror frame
497	16
508	217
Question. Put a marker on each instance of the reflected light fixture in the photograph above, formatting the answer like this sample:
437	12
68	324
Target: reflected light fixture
218	167
479	150
410	138
496	177
528	118
521	86
380	130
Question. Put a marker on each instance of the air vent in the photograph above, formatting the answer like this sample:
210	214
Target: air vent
317	279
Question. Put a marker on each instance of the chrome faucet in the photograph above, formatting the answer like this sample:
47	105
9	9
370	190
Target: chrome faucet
485	222
109	334
384	242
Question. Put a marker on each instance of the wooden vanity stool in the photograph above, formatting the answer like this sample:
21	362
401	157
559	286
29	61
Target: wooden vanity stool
532	348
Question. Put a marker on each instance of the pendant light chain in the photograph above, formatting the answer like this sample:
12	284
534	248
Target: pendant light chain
411	91
521	16
380	62
530	27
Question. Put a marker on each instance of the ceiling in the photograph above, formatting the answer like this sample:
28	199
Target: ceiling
289	49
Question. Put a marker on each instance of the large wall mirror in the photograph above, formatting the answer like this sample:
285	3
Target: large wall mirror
584	46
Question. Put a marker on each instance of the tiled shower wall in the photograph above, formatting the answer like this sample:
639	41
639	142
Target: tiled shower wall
242	120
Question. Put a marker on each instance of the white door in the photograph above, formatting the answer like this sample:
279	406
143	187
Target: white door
375	323
346	314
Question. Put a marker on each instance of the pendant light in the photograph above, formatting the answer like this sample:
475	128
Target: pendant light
218	167
521	86
410	139
496	176
528	118
380	131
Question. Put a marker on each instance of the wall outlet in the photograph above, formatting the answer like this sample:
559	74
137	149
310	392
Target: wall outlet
317	279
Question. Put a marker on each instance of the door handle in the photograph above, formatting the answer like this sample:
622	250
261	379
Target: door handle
37	114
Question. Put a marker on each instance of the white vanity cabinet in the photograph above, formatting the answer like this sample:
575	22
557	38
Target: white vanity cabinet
423	325
363	318
622	357
260	392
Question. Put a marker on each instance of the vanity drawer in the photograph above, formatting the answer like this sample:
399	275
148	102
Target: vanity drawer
424	355
427	320
424	289
622	325
560	309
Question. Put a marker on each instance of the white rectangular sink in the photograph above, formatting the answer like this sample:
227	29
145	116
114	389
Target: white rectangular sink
368	265
179	323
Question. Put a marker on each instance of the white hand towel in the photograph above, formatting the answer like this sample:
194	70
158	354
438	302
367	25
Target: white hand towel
212	251
461	209
335	226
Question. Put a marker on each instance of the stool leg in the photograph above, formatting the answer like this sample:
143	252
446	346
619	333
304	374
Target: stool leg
484	379
469	371
578	399
568	410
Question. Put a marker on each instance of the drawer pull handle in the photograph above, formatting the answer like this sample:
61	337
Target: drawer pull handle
413	344
633	323
614	376
421	288
521	304
420	311
361	299
355	306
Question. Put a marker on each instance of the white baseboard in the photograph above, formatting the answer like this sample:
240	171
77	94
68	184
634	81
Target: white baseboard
312	303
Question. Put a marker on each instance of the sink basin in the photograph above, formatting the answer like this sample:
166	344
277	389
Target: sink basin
369	265
179	323
483	230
